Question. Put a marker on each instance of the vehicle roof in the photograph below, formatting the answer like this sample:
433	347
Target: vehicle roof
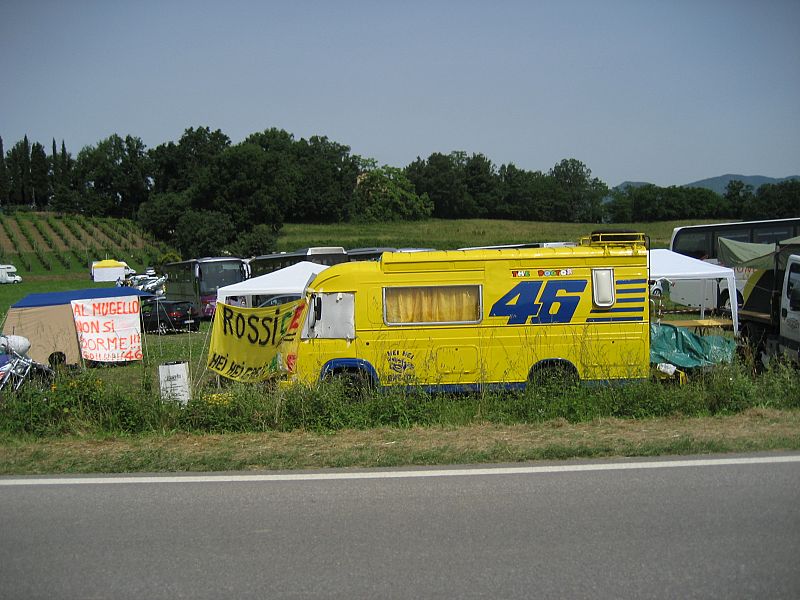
55	298
473	260
205	259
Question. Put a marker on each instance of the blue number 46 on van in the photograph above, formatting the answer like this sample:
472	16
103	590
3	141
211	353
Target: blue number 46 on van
540	302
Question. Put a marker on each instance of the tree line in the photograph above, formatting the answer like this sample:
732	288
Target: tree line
207	195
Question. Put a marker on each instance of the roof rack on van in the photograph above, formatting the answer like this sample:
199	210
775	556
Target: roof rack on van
615	237
522	246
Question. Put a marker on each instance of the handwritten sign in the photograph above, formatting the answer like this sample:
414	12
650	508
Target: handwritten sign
109	328
245	341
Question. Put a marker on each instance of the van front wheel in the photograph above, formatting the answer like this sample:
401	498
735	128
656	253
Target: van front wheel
355	382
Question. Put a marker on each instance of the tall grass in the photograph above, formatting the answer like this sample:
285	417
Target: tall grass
90	402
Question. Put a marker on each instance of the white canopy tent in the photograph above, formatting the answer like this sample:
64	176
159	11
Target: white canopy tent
289	281
665	264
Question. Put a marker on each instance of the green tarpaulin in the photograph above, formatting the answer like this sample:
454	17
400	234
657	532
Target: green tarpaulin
680	347
756	256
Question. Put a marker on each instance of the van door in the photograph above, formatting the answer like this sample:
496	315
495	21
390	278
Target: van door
790	309
331	316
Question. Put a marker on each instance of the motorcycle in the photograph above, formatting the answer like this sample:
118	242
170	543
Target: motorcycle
16	367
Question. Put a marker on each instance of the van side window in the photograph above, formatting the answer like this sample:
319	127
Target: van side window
603	287
451	304
794	279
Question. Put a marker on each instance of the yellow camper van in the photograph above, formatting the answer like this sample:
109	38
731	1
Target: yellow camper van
459	320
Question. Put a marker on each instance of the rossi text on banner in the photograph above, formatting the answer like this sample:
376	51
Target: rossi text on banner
245	341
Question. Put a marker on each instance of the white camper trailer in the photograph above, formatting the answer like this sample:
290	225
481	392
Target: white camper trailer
108	270
8	274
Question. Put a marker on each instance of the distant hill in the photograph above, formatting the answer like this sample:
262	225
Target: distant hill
631	184
718	184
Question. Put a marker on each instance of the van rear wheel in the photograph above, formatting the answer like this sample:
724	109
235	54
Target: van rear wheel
556	374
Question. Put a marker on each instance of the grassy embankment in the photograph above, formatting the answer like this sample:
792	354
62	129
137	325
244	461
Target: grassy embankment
446	234
111	419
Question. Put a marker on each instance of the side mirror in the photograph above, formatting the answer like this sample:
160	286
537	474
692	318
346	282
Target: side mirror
315	311
317	308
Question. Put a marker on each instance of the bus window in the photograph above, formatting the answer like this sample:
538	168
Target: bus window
696	244
736	236
770	235
197	280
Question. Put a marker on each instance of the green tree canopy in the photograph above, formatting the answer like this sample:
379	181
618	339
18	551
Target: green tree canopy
160	214
114	176
526	195
443	178
203	233
385	194
738	197
653	203
774	201
177	167
327	179
581	195
261	239
240	184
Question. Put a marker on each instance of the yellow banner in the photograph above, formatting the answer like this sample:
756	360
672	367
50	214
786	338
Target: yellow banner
244	341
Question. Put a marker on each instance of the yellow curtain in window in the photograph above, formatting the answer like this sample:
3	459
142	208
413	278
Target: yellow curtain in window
433	304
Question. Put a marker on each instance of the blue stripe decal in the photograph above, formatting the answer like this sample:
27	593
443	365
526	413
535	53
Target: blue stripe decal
629	300
633	291
614	319
628	309
630	281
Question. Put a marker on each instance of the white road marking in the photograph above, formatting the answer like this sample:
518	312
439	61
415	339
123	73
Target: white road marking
408	474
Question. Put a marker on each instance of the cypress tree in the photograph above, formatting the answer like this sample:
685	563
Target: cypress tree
39	194
4	183
54	175
25	171
66	165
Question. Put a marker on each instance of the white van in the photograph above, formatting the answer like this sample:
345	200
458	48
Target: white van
8	274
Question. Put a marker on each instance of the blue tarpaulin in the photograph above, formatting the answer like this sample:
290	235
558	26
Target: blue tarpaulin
56	298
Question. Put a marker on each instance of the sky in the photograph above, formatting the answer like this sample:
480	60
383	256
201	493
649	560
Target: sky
638	90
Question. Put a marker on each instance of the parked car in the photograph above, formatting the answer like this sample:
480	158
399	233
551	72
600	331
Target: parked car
163	316
278	300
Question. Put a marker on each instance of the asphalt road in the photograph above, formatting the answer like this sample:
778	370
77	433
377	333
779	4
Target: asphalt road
604	529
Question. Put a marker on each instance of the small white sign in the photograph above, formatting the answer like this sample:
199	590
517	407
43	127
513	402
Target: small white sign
174	378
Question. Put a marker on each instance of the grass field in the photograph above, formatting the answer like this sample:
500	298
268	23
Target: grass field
435	233
112	418
449	234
